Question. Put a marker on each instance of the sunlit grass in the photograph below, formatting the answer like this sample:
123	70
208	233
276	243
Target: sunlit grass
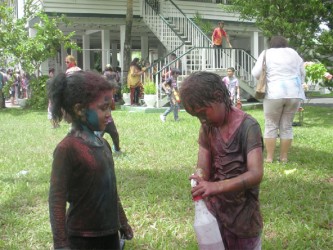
152	175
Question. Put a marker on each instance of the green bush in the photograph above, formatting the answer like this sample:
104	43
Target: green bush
125	88
38	98
149	88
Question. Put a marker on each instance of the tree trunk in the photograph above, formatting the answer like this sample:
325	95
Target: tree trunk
128	38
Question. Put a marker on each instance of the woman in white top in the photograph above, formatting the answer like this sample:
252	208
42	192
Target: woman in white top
284	92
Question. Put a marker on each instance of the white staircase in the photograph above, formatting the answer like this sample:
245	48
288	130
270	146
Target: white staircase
181	36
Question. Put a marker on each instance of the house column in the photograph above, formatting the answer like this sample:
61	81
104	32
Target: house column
262	43
105	48
86	52
122	43
255	44
144	47
114	55
63	57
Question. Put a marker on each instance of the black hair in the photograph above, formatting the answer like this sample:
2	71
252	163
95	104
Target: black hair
79	88
201	88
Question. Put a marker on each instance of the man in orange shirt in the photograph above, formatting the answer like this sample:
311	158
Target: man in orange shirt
217	41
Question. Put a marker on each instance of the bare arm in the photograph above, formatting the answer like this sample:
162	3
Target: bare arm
135	71
203	164
242	182
227	37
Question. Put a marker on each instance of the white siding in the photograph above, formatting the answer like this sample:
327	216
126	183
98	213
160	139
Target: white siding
102	7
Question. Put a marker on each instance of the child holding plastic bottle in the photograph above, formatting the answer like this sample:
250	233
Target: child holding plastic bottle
230	160
83	173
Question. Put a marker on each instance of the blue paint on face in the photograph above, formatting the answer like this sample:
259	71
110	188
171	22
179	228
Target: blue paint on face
92	119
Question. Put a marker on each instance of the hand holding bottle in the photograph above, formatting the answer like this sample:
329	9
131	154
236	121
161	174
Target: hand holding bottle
205	188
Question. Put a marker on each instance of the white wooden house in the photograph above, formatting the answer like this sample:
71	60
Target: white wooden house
160	27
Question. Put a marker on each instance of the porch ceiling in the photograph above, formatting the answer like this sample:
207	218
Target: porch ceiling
92	25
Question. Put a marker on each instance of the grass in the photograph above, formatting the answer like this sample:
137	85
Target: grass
152	175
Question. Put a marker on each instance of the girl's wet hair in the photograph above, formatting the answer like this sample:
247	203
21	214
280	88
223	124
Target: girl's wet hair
200	89
79	88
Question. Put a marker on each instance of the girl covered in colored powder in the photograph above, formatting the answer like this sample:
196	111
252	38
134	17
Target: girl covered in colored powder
230	161
83	172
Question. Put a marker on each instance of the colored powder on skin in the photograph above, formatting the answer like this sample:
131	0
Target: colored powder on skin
92	119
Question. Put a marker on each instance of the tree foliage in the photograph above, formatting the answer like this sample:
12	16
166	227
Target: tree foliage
31	51
299	21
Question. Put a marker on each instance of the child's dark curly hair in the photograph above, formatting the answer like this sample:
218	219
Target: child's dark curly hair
79	88
200	89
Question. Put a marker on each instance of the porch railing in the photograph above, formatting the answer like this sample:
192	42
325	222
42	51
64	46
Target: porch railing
192	47
205	59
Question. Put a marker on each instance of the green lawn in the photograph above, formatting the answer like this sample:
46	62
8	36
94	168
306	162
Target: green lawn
152	174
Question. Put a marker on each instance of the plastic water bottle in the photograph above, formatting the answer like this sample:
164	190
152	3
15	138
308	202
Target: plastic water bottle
205	226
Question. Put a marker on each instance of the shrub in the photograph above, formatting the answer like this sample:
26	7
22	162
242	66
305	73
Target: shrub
149	88
39	99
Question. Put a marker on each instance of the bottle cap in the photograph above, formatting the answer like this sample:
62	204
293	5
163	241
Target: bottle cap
197	198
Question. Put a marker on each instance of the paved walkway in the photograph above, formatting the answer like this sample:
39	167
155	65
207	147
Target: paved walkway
324	102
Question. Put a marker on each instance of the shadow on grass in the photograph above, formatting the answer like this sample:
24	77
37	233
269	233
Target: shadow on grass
297	211
318	116
21	111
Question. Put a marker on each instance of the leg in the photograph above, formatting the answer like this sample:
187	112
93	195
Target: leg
272	111
132	93
232	241
270	149
169	109
175	111
112	131
286	133
137	95
2	103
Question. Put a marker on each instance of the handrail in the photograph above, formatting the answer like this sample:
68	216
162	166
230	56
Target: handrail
202	33
172	27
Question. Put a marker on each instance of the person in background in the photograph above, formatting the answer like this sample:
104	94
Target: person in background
177	65
231	82
230	161
25	85
217	42
71	65
110	74
17	79
2	96
83	172
54	123
134	81
171	89
285	73
110	127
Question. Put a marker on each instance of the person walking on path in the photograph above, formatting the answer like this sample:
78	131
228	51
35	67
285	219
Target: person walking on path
230	161
217	42
83	172
171	89
285	74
